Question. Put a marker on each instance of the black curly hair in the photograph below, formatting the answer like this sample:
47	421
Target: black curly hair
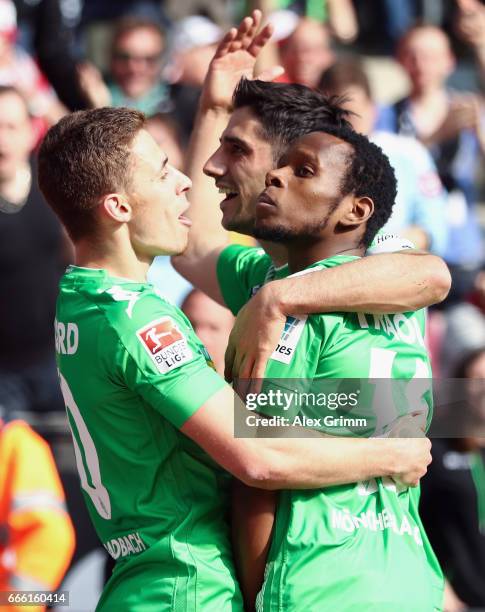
288	111
369	173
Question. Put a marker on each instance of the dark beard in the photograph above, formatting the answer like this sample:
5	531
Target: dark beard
279	234
287	235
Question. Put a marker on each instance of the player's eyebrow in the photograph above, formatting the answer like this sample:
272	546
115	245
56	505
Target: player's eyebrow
307	154
234	140
300	155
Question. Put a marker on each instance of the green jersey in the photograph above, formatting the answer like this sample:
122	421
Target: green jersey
242	270
353	547
132	371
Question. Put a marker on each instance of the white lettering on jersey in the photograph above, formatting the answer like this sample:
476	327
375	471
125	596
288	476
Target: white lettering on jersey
293	330
123	295
389	243
289	339
130	544
368	487
66	337
372	521
165	343
394	325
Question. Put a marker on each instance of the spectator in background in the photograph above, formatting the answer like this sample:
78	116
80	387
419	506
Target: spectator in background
135	78
136	66
453	491
464	327
306	53
212	323
32	257
470	27
52	38
194	43
338	15
113	10
420	208
18	69
36	533
449	124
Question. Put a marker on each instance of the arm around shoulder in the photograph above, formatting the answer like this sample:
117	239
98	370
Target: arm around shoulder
299	462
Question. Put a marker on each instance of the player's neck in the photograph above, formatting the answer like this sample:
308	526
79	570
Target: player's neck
277	252
300	255
119	263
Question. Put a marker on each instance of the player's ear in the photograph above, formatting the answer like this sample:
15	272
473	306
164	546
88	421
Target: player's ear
116	207
359	209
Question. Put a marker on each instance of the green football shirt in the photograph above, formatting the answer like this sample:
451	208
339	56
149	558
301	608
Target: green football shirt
353	547
132	371
242	270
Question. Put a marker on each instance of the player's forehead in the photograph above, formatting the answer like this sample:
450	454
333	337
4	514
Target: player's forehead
319	147
245	126
146	154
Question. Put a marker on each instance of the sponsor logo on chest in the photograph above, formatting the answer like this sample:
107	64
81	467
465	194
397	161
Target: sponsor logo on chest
289	339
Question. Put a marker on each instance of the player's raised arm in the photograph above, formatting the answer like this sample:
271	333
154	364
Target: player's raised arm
389	282
299	463
235	58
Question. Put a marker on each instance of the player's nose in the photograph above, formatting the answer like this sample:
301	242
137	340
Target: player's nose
215	166
183	182
275	178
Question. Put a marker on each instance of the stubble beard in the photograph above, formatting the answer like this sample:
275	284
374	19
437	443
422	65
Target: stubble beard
287	234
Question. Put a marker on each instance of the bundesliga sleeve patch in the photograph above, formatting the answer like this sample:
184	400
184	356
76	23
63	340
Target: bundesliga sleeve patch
165	343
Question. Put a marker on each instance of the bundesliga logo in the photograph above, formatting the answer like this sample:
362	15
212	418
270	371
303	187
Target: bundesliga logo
162	335
165	343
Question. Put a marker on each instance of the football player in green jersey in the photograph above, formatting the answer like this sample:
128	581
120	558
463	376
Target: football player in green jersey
152	423
359	546
250	143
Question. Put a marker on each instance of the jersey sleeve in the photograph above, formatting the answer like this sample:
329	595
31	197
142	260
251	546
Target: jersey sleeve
161	359
240	270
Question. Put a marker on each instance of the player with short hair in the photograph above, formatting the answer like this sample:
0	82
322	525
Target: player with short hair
356	546
152	423
250	141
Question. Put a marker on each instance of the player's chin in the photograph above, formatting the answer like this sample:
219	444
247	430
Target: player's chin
182	242
263	229
177	244
272	230
237	222
231	210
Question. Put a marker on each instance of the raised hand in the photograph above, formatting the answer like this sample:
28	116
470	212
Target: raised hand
464	113
235	57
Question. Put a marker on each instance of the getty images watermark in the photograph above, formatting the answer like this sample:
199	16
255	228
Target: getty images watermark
276	408
446	408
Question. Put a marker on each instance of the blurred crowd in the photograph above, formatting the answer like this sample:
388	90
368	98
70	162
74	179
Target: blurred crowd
412	71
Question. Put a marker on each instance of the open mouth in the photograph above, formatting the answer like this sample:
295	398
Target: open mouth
185	220
228	192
